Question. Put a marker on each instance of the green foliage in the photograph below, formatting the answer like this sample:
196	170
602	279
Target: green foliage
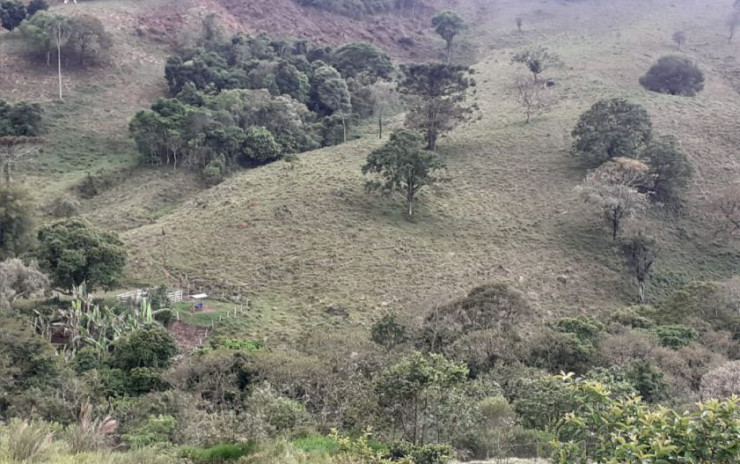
12	13
537	60
250	346
602	430
37	5
612	129
260	146
632	318
88	40
149	347
15	220
219	453
388	333
157	429
404	165
26	359
699	304
329	92
405	389
670	170
420	454
362	60
541	402
585	329
434	94
674	75
74	253
675	336
21	119
448	25
648	381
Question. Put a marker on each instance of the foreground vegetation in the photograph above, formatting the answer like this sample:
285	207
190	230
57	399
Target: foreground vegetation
611	355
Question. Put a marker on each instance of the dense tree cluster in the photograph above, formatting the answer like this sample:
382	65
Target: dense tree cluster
252	100
13	12
20	119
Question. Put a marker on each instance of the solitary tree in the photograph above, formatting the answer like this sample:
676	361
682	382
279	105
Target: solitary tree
434	95
641	251
532	97
613	188
12	14
448	25
15	220
670	170
611	129
404	166
674	75
388	332
74	253
537	60
680	38
88	38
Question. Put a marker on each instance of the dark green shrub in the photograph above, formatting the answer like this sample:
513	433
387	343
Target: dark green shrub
37	5
21	120
251	346
585	329
420	454
388	333
12	14
647	380
87	359
157	429
141	380
675	336
631	318
150	347
360	58
220	453
674	75
531	444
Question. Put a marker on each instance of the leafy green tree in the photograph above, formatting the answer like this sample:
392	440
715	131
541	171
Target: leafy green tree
362	60
292	82
612	129
675	336
408	389
26	360
260	146
331	94
602	430
434	94
448	25
38	32
674	75
37	5
670	170
15	220
647	380
88	40
21	119
537	60
404	166
12	14
388	332
144	348
74	253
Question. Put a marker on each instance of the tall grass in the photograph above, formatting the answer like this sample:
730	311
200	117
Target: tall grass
29	442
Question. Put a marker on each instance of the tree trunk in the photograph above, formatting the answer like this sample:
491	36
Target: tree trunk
380	124
344	126
449	51
529	112
641	291
59	59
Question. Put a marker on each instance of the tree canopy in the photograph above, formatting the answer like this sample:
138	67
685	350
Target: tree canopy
15	220
404	166
74	253
448	25
611	129
674	75
12	14
434	94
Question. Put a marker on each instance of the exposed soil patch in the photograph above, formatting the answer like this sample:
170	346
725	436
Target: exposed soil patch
189	337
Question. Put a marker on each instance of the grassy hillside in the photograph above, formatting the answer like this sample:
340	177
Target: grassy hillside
306	240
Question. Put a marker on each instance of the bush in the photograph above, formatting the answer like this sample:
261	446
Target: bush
721	382
260	146
157	429
675	336
647	380
631	318
144	348
674	75
220	453
612	129
21	120
63	207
